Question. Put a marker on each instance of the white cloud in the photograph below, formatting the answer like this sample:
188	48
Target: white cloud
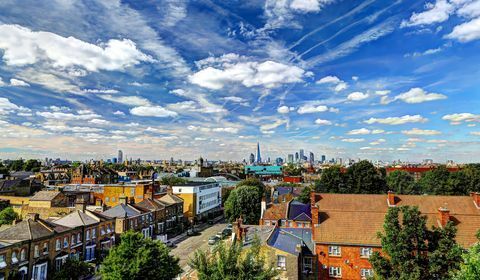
355	78
357	96
382	92
360	131
271	126
397	120
109	91
435	13
126	100
312	107
323	122
283	109
99	121
268	74
6	106
466	32
236	99
232	130
23	46
417	131
329	80
2	83
68	116
461	117
476	133
119	113
152	111
307	6
203	105
353	140
18	83
418	95
340	86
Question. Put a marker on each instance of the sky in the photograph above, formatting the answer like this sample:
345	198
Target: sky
381	80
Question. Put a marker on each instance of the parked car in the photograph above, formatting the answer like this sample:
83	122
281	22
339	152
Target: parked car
191	231
226	232
211	222
229	226
169	244
213	240
219	235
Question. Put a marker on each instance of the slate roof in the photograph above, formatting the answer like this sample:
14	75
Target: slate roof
340	215
7	185
45	196
288	239
122	210
276	211
27	229
284	190
298	211
77	218
170	199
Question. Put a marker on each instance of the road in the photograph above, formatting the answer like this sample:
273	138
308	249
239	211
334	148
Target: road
186	248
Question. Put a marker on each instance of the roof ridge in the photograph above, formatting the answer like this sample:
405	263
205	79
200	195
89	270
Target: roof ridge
80	216
29	229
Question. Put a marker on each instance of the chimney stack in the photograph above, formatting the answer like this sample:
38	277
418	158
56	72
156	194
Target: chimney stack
443	215
80	204
314	211
263	207
476	198
122	199
391	199
33	216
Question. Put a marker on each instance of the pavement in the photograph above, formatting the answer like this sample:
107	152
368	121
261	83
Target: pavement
185	246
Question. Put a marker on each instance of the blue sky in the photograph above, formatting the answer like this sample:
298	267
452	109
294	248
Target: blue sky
353	79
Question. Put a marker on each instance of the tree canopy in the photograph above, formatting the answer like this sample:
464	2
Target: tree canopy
470	267
401	182
72	270
232	263
172	181
254	182
7	216
415	252
244	201
139	258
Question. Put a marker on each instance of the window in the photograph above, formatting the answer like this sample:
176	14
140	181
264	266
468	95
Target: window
113	199
132	192
45	248
40	271
87	235
366	272
290	224
89	253
108	228
23	255
267	223
365	252
283	223
65	242
36	251
14	257
107	199
307	265
59	262
281	262
58	245
334	251
3	264
74	239
102	230
94	233
79	238
334	271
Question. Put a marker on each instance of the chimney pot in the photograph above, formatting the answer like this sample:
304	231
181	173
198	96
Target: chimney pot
443	215
476	198
122	200
391	199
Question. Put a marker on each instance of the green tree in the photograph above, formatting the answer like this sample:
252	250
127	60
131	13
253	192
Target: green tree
332	180
16	165
457	183
413	251
3	170
244	201
472	172
470	266
254	182
32	165
7	216
304	196
139	258
435	181
363	177
232	263
401	182
72	270
293	170
172	181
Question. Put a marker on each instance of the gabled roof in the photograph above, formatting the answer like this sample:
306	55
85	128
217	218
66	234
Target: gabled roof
45	196
288	239
170	199
77	218
150	204
27	229
298	211
276	211
122	210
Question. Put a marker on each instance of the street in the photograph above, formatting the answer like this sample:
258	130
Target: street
186	248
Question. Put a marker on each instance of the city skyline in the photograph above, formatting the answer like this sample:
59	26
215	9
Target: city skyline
369	79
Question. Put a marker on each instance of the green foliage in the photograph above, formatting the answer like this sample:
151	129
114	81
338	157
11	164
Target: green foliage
16	165
414	252
331	181
440	181
231	263
244	201
72	269
172	181
401	182
304	196
3	170
293	170
254	182
472	172
139	258
7	216
32	165
363	177
470	267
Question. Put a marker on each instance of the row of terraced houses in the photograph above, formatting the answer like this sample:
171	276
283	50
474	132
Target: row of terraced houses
334	236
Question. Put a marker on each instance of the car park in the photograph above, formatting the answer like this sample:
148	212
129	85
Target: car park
213	240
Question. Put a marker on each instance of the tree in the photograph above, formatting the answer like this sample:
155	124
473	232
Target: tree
472	172
363	177
32	165
230	263
413	251
332	180
401	182
139	258
457	183
16	165
72	269
304	196
293	170
254	182
7	216
3	170
435	181
470	266
172	181
244	201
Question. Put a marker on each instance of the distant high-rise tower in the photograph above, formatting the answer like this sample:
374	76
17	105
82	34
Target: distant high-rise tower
290	158
252	158
296	156
120	156
259	157
324	159
302	155
312	157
